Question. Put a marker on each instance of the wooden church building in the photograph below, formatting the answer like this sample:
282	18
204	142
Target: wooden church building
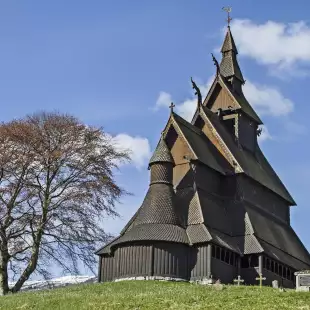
215	208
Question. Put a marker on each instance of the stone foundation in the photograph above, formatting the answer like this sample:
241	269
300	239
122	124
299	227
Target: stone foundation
157	278
203	281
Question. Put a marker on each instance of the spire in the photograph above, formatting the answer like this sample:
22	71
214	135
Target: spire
229	43
161	154
229	66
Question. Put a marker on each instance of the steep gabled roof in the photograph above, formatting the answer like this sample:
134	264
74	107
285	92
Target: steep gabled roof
239	98
281	236
255	165
215	212
243	102
283	257
230	77
203	149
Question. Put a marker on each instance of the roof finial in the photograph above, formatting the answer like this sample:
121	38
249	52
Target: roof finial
227	9
171	107
216	64
197	92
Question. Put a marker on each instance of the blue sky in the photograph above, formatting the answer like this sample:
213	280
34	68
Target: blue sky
118	63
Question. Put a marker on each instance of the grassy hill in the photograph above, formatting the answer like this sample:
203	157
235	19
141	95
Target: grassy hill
157	295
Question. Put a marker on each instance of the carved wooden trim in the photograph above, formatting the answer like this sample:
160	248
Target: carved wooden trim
226	150
172	122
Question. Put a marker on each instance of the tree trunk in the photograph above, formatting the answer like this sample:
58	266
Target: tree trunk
4	285
32	265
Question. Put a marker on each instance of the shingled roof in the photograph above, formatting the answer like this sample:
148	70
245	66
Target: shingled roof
211	219
162	153
204	150
158	218
277	234
229	66
158	207
255	165
229	43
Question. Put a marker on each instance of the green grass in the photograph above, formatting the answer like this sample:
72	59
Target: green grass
157	295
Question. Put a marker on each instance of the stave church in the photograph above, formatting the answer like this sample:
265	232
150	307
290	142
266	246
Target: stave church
215	208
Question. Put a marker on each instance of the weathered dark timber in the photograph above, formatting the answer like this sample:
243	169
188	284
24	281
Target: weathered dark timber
214	207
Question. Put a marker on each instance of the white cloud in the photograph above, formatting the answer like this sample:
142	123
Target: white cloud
186	108
139	147
282	46
267	100
163	101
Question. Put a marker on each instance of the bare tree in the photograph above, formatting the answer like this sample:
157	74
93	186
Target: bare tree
56	183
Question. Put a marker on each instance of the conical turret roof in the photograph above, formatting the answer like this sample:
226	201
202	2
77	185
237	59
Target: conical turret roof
158	218
161	154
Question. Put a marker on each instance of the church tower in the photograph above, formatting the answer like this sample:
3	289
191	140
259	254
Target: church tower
215	208
237	114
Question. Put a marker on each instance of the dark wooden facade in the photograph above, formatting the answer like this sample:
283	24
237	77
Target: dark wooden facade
215	208
146	260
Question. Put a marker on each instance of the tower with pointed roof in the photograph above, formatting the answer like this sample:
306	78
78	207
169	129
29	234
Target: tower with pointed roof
215	208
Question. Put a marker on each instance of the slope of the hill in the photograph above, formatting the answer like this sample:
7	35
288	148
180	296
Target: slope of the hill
157	295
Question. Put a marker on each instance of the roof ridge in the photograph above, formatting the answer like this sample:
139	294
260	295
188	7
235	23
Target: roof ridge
188	124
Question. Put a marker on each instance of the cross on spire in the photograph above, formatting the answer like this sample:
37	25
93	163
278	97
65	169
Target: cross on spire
172	105
227	10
